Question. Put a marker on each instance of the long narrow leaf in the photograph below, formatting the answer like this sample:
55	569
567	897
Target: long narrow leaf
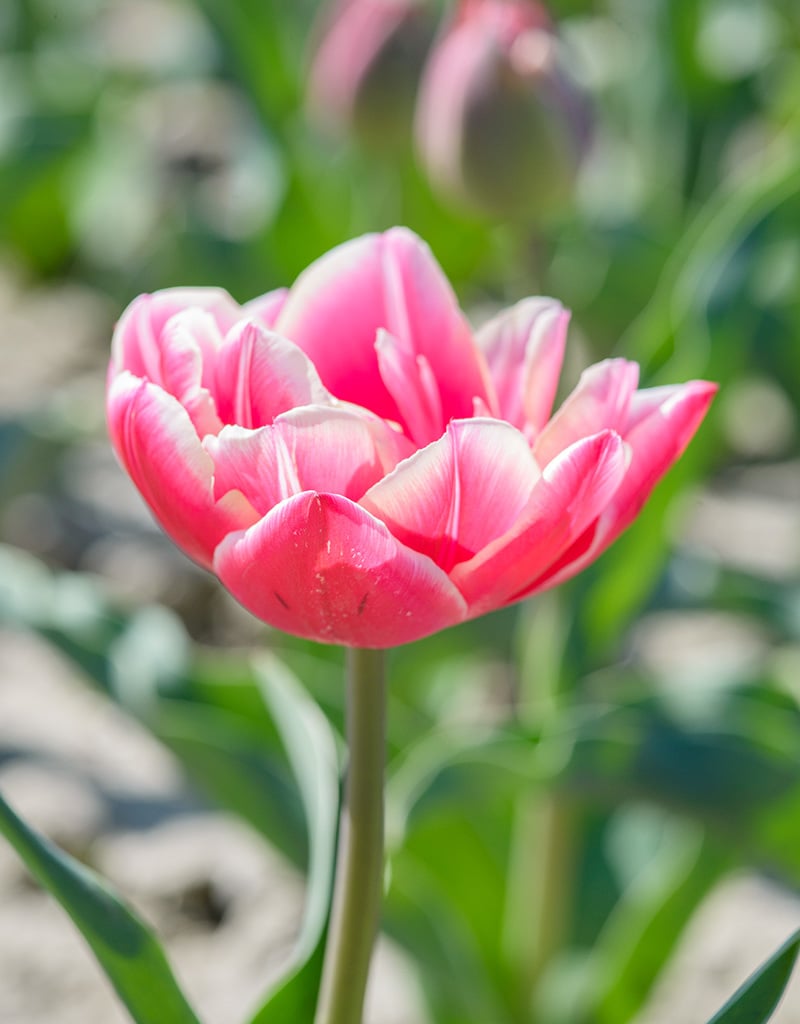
311	749
755	1001
126	949
647	923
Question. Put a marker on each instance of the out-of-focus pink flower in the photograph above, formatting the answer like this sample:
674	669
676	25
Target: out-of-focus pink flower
501	126
357	467
366	68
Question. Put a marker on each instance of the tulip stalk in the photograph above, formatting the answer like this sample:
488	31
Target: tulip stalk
539	895
359	865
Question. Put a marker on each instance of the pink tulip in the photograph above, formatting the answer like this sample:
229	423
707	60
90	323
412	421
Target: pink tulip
501	125
369	57
357	467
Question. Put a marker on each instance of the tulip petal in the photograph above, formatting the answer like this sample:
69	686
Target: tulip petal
454	497
455	63
354	34
389	281
317	448
260	374
158	446
188	343
661	423
573	490
599	402
412	385
266	308
524	348
322	567
136	343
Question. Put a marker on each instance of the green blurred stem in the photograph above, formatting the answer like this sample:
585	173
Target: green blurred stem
359	864
540	876
540	884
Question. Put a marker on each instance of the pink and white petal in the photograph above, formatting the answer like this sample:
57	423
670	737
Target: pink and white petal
572	492
260	374
333	313
661	423
664	420
389	281
411	383
340	450
421	303
600	402
343	451
524	348
189	342
454	497
266	308
255	462
322	567
135	345
158	446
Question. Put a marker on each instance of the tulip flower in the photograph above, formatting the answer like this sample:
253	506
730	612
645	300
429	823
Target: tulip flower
500	124
358	467
364	74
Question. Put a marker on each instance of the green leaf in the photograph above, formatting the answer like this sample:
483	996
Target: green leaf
311	748
452	927
227	757
727	777
756	1000
647	923
126	949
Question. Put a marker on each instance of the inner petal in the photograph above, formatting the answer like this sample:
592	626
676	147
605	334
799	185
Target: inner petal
524	348
410	381
260	375
187	349
316	448
600	401
452	498
137	343
391	282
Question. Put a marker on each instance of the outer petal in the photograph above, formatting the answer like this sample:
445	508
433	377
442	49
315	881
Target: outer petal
388	281
135	345
156	442
524	347
318	448
260	374
599	402
322	567
352	36
454	497
456	60
573	491
661	423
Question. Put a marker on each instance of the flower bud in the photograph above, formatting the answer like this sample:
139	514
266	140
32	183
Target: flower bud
366	68
500	125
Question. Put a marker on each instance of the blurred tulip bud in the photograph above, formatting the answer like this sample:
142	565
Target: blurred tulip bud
366	68
500	125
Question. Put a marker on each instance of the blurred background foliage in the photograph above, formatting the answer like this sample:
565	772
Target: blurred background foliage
631	739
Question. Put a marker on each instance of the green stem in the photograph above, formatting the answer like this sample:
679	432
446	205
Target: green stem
540	870
540	881
359	864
